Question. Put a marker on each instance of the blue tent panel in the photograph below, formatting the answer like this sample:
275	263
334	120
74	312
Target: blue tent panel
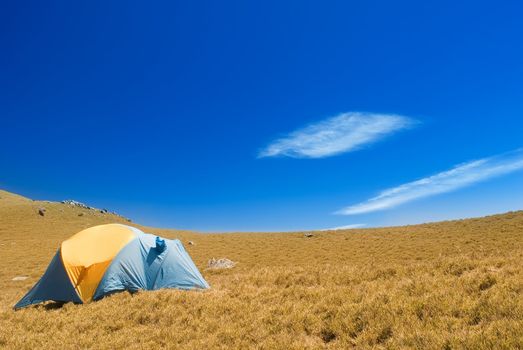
179	271
54	285
141	265
126	272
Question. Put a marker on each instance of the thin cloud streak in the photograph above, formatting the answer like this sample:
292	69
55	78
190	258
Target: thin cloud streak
346	227
345	132
458	177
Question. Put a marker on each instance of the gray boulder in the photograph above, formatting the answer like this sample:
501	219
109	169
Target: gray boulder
222	263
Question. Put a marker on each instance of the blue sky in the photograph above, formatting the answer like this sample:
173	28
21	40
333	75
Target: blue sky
225	116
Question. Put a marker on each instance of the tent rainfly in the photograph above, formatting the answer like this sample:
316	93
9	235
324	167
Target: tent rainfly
109	258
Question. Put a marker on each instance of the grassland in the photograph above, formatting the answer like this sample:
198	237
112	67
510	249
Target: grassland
448	285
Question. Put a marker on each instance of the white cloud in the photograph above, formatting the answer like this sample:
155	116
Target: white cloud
346	227
343	133
460	176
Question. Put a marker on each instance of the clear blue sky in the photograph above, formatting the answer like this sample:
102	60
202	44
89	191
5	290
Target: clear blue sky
194	114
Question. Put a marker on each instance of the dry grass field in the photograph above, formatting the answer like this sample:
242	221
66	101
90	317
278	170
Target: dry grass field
448	285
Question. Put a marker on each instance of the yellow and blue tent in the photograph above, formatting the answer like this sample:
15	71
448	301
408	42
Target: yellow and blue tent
109	258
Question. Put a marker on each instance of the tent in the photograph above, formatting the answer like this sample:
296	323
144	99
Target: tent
105	259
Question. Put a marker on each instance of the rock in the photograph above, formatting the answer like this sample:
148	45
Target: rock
41	211
190	243
308	235
76	204
81	214
20	278
222	263
84	206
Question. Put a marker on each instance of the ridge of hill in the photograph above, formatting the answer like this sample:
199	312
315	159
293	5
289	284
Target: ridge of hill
453	284
8	198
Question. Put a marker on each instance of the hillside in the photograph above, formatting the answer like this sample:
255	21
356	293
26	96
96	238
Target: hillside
448	285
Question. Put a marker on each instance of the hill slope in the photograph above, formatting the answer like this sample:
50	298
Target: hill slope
456	284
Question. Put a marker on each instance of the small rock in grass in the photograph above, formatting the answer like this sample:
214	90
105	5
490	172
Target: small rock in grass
20	278
222	263
308	235
41	211
190	243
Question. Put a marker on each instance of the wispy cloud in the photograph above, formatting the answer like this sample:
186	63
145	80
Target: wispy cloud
460	176
343	133
346	227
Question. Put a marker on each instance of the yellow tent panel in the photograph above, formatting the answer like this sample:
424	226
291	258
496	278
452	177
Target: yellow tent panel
87	254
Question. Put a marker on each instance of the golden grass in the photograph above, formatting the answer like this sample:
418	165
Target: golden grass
449	285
